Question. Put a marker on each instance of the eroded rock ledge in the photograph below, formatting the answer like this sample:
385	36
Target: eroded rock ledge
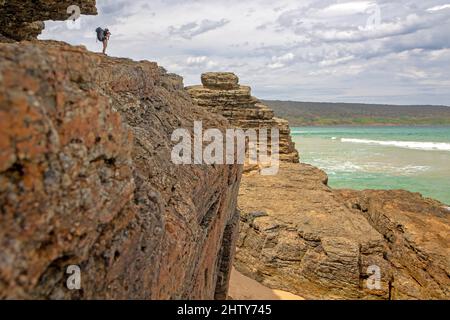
86	179
299	235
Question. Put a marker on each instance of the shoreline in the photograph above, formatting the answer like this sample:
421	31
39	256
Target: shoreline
245	288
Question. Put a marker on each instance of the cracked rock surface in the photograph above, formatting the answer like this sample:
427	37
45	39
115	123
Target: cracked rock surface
86	179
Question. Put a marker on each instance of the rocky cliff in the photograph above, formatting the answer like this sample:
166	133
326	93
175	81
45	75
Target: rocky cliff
23	20
299	235
221	93
86	179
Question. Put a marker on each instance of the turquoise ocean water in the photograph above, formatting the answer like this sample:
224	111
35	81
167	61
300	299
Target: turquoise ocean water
411	158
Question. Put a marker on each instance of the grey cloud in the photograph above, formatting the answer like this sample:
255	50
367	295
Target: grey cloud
309	53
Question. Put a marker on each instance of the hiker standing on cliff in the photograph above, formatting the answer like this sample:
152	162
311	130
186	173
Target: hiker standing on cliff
103	36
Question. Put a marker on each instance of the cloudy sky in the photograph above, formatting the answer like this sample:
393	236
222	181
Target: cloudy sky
380	51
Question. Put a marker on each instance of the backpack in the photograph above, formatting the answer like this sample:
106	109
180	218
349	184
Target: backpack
100	34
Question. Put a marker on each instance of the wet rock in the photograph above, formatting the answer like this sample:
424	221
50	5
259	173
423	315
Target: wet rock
86	179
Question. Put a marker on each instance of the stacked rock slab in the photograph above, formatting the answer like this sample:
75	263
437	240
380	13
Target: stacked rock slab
221	93
23	20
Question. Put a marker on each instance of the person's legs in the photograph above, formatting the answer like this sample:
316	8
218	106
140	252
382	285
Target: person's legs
105	45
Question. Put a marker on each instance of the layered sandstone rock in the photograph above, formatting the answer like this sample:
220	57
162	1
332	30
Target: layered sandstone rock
23	20
299	235
86	179
222	94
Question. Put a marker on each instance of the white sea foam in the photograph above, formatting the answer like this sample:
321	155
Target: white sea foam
333	167
333	138
417	145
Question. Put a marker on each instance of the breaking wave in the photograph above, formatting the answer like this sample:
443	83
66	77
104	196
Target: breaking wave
416	145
